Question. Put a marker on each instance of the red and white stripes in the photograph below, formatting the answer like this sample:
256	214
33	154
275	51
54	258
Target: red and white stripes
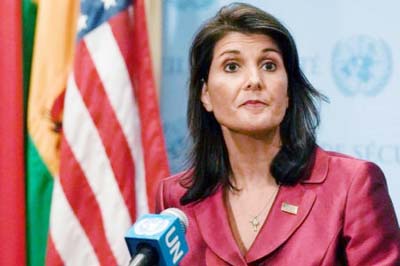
102	184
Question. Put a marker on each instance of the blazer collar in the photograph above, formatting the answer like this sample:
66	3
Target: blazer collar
280	225
319	168
214	227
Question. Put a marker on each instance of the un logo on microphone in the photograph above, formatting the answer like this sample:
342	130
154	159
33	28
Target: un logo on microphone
361	65
150	226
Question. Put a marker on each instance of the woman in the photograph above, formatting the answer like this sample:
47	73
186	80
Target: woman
259	190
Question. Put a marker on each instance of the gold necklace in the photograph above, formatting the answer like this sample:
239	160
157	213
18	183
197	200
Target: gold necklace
255	221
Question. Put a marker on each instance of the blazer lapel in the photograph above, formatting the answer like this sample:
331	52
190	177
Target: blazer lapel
281	223
290	209
214	226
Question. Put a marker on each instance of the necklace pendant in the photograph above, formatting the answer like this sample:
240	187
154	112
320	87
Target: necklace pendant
255	223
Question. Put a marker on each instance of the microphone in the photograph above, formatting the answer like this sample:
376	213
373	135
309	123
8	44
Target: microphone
158	239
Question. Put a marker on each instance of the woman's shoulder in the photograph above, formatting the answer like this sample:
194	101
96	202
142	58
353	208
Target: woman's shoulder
176	181
347	162
335	165
354	192
171	189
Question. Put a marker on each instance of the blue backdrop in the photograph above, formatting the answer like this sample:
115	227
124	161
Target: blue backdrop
349	50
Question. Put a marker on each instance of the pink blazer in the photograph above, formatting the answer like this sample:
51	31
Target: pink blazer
345	217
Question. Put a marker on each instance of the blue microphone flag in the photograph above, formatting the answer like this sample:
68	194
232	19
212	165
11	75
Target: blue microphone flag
163	232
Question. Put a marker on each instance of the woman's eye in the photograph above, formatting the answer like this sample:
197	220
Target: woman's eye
269	66
231	67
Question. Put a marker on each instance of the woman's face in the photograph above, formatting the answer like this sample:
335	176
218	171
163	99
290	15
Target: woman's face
247	84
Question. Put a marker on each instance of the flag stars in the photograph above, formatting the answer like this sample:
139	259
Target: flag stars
108	3
82	22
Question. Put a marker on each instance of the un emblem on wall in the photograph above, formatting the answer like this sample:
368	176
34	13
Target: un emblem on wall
361	65
191	4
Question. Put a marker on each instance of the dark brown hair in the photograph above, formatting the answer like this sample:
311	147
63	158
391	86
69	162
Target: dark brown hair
209	163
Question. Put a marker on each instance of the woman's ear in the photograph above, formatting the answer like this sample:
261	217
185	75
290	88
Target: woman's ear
205	98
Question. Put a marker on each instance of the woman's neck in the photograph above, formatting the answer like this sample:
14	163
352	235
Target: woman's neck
251	156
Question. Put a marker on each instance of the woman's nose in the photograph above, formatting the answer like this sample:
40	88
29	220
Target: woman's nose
254	80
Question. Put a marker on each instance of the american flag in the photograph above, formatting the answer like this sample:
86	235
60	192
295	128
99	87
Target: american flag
112	150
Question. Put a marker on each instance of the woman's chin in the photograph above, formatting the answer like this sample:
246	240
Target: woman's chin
256	131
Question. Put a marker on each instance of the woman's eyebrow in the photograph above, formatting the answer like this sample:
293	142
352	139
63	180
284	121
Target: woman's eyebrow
265	50
229	52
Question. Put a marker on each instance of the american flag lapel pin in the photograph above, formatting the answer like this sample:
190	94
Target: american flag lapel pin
289	208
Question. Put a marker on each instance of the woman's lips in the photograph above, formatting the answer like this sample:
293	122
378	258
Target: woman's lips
254	103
